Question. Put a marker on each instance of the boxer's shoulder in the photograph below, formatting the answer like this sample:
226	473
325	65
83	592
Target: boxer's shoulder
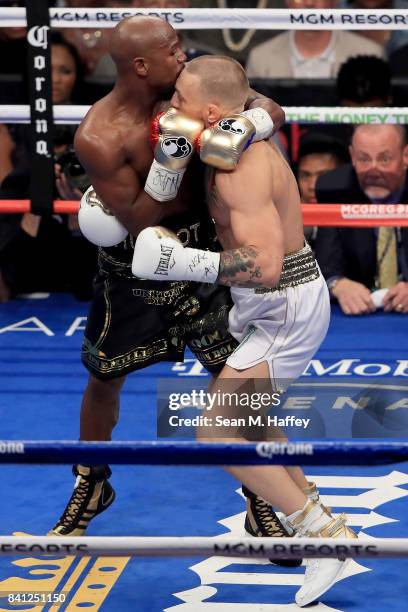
98	142
97	150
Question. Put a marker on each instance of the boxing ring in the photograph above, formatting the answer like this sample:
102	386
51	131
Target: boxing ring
166	490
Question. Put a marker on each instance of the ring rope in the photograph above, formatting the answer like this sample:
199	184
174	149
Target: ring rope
239	45
338	452
290	453
66	114
321	215
196	19
285	548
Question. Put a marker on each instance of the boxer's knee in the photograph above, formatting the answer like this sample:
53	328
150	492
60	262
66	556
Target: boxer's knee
105	390
102	397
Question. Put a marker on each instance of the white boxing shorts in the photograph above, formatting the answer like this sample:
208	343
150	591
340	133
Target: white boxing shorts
284	326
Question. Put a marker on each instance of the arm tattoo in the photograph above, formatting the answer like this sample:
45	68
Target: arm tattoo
238	268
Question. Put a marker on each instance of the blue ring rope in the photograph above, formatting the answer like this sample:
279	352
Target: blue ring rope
338	452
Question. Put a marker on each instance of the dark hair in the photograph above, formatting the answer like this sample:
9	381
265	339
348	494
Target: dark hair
56	38
317	142
364	78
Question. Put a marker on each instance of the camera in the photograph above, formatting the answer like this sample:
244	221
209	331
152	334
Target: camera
73	170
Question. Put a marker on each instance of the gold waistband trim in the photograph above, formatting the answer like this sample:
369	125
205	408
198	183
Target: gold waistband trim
298	268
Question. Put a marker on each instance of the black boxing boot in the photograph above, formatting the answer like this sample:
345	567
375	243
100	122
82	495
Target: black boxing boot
92	495
262	522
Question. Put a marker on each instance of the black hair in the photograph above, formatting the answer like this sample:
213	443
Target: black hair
56	38
317	142
364	78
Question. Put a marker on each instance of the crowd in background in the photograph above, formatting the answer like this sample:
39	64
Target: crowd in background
333	163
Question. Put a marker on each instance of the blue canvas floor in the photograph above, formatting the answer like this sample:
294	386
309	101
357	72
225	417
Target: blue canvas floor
41	382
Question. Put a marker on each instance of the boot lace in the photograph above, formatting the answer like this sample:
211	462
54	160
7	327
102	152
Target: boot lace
75	504
268	518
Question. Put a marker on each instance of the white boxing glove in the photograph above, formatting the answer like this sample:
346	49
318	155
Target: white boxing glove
222	144
97	223
159	255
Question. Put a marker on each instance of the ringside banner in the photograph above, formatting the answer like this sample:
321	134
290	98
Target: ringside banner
191	19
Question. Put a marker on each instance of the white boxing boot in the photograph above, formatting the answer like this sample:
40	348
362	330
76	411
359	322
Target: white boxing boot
312	493
321	574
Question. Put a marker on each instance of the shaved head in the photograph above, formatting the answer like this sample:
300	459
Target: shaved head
222	80
389	130
137	37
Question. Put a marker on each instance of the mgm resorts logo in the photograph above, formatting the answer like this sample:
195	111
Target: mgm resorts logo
293	551
83	16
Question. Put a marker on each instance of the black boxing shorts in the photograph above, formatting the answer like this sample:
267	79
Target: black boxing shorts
134	323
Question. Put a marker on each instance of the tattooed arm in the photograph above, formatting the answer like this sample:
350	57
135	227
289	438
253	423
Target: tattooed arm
246	220
239	268
255	225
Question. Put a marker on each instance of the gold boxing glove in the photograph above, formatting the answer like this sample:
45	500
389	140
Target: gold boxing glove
174	136
222	145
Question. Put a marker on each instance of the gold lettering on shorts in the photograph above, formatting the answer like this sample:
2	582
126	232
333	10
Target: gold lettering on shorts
185	234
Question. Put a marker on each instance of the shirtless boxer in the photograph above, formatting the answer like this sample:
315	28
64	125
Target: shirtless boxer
281	305
134	323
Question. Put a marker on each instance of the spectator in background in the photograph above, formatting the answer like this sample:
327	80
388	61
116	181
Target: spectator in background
66	73
13	46
318	154
27	241
13	63
356	261
399	61
307	54
90	43
390	40
66	70
364	80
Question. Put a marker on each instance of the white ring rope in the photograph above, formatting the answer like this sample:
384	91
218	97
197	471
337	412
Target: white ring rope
71	114
239	45
277	548
197	19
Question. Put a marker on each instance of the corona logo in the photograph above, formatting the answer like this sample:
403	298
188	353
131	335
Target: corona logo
37	36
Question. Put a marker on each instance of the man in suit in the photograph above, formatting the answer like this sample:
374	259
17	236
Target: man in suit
306	54
356	261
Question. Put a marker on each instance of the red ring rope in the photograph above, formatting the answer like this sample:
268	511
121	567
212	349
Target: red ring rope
335	215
